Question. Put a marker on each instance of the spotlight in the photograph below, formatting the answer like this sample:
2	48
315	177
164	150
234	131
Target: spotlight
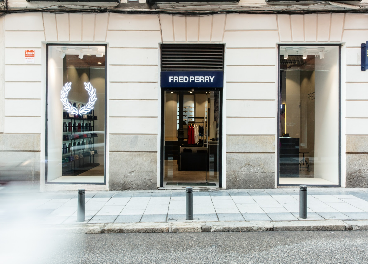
286	56
321	52
80	56
62	55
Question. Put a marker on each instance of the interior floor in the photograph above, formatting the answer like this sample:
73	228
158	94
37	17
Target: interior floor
307	181
79	179
172	174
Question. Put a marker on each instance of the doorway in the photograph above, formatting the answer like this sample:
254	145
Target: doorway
191	137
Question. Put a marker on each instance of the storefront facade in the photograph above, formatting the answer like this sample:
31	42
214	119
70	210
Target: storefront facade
308	64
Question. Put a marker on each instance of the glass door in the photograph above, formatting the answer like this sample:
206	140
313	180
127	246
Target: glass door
191	137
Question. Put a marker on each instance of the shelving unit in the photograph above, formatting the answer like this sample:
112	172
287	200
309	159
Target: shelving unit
78	150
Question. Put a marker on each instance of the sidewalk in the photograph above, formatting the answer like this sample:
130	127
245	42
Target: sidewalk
166	209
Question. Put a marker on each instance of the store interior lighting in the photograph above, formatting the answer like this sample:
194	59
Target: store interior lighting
304	51
98	51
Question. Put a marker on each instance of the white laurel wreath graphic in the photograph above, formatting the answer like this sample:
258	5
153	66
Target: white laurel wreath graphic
72	109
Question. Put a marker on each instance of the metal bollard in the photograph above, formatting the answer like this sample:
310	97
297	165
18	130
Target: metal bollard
303	201
81	212
189	203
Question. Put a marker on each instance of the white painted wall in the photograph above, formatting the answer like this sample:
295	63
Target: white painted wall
326	150
55	115
293	103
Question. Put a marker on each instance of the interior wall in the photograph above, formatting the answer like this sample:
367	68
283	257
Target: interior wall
327	117
307	112
171	116
200	105
97	79
293	103
55	115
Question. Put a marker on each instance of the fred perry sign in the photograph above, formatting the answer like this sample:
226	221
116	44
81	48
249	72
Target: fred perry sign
192	79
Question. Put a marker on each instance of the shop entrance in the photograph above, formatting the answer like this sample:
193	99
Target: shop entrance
191	129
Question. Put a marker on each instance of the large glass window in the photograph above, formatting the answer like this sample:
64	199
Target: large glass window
309	115
75	142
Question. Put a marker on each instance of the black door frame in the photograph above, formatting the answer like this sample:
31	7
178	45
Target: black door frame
162	157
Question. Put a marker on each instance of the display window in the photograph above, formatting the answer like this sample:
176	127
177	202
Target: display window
309	115
76	114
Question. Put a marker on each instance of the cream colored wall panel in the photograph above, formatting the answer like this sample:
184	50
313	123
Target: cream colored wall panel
323	33
257	39
192	28
354	74
88	27
22	107
49	21
250	22
22	89
247	108
354	38
297	27
353	56
24	21
167	28
101	26
284	27
130	125
22	125
62	23
357	109
132	56
133	22
250	126
75	27
310	27
218	26
337	22
133	90
179	28
137	108
356	21
16	56
25	39
266	91
357	91
251	74
135	39
133	74
251	56
356	126
16	73
205	28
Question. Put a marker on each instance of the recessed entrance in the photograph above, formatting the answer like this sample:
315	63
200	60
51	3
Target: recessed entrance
191	137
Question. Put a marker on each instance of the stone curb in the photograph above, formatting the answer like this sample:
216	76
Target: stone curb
252	226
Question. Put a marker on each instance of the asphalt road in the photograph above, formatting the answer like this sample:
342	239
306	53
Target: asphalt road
71	246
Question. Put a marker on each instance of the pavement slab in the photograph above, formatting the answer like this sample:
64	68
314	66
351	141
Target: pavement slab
229	209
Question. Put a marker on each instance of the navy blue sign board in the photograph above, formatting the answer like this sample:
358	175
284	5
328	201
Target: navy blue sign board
364	56
192	79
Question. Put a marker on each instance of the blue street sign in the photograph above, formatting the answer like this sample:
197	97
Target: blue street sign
192	79
364	56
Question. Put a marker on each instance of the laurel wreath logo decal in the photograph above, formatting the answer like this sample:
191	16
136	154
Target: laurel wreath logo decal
72	109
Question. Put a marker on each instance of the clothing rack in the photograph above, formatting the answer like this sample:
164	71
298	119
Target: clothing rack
200	122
